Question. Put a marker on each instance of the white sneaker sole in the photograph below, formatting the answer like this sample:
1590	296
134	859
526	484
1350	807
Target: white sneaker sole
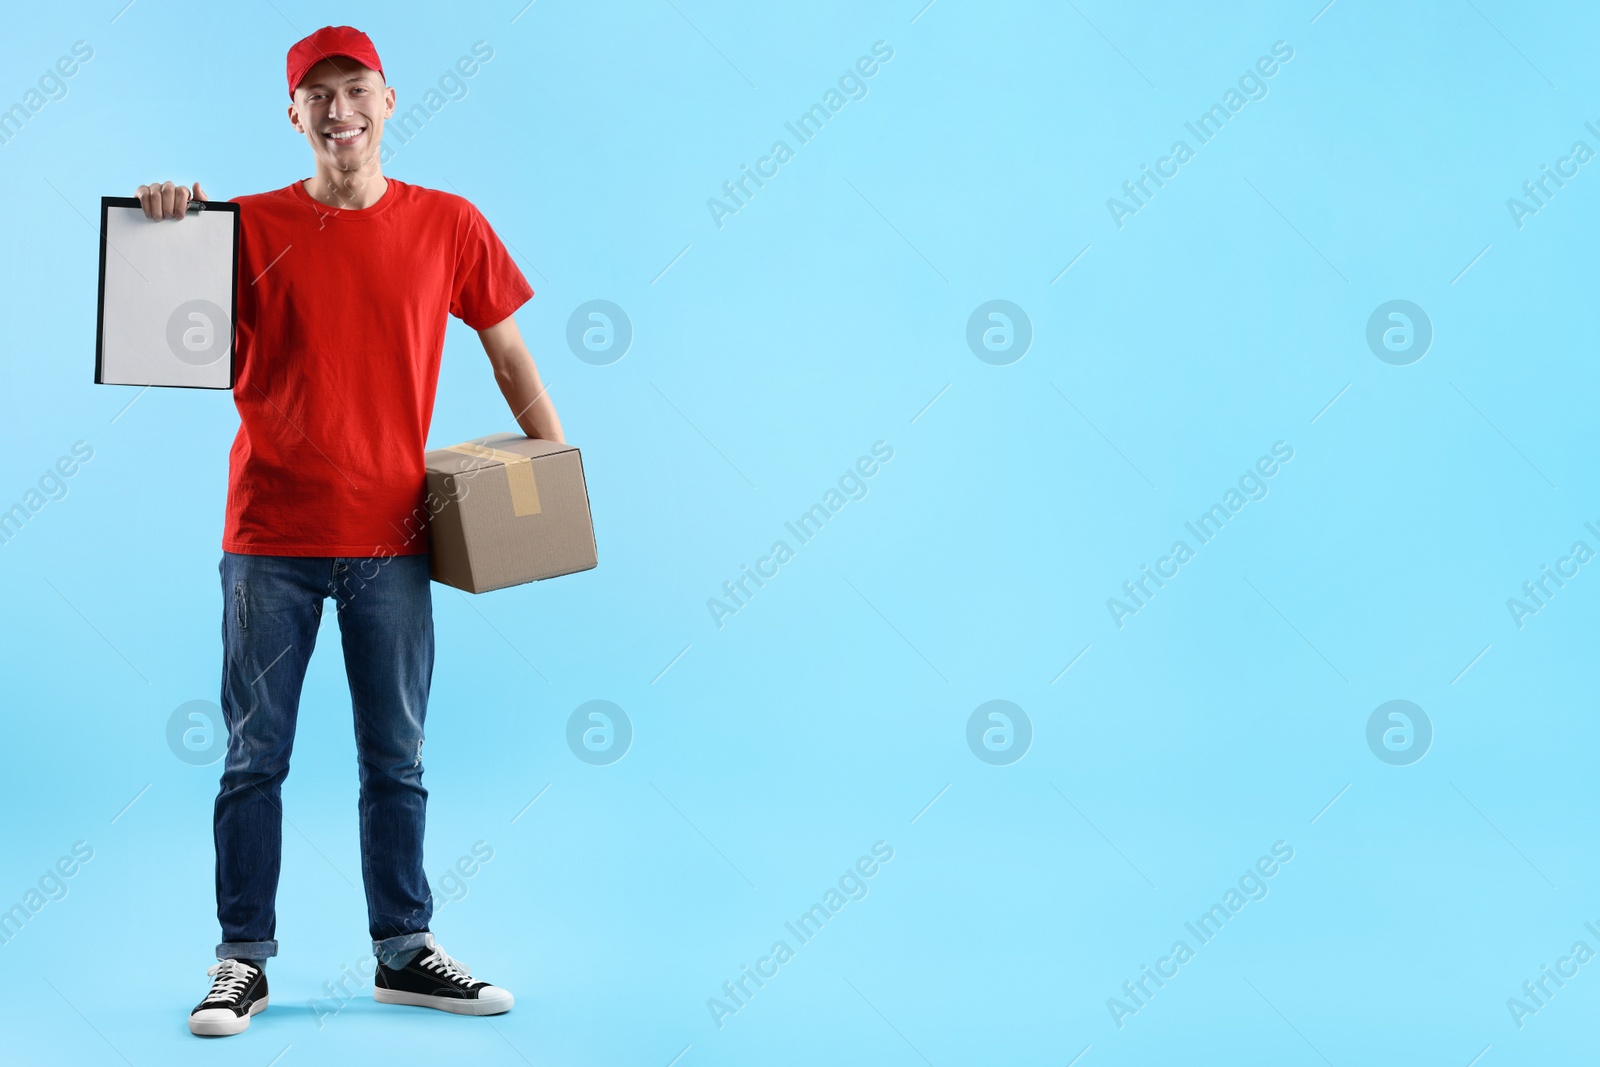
219	1022
497	1002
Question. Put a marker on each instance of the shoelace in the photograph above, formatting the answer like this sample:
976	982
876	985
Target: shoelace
232	977
451	969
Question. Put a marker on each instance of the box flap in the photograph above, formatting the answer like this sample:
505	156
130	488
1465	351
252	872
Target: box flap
449	461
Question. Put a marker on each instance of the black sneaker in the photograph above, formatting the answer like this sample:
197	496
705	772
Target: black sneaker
238	992
434	980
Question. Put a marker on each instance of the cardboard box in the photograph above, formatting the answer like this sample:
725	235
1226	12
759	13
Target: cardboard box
508	509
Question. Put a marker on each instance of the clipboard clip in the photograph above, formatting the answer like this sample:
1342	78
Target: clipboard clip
195	206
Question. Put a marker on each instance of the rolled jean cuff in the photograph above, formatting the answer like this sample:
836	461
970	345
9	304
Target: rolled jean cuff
247	950
391	947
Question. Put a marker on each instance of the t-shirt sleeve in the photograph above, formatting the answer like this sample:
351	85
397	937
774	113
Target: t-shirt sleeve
487	286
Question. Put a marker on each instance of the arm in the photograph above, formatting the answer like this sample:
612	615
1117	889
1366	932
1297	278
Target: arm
519	381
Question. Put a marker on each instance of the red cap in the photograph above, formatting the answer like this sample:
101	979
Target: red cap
330	41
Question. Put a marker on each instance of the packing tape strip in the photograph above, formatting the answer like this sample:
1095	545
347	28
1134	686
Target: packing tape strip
519	474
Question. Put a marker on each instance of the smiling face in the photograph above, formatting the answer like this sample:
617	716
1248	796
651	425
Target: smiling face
341	106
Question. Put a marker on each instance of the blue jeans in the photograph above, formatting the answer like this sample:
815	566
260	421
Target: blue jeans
272	607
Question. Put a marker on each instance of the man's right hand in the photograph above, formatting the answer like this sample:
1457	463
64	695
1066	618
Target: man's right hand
163	200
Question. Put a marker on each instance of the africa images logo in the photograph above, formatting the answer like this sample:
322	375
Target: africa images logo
999	332
1399	733
599	732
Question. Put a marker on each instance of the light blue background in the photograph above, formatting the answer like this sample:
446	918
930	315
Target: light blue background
826	715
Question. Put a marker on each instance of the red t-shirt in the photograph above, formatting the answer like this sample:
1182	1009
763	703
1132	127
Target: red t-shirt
339	336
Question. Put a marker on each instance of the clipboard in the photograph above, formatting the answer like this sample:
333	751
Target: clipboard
168	300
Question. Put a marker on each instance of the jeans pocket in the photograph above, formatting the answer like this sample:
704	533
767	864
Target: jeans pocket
241	610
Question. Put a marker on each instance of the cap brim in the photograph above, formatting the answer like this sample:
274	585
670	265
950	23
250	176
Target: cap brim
332	55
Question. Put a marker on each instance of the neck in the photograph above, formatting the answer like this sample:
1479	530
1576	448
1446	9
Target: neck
348	189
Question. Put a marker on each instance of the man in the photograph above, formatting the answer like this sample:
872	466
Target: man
344	283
